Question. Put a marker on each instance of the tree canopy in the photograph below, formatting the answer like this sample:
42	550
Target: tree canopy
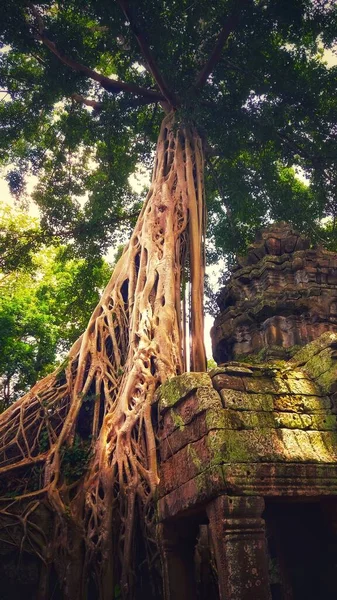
239	86
45	302
84	84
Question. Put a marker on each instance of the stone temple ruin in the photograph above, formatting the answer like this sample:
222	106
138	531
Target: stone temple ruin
247	500
248	452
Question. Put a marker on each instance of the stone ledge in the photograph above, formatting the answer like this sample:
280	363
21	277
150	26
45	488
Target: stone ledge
265	479
251	446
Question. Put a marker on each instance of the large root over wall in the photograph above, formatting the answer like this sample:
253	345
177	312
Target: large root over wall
81	443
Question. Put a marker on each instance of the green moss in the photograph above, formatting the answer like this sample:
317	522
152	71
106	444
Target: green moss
320	363
177	388
194	457
177	420
75	459
241	401
292	420
292	350
328	381
231	369
252	359
305	354
225	446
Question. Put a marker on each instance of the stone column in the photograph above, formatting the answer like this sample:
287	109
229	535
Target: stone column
238	535
177	542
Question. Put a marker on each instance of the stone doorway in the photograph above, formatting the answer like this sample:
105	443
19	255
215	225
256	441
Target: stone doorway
302	545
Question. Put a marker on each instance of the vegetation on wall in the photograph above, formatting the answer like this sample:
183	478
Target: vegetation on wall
239	97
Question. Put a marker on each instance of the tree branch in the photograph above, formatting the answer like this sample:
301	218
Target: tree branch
82	100
95	104
228	28
152	65
111	85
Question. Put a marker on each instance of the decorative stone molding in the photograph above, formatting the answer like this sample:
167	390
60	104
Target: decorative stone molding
280	297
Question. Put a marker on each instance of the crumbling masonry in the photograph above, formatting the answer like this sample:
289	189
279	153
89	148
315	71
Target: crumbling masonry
248	452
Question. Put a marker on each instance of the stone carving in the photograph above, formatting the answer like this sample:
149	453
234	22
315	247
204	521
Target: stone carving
280	297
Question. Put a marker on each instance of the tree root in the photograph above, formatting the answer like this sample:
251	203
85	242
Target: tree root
81	443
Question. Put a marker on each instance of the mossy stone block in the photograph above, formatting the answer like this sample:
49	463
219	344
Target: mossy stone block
301	404
231	369
324	422
244	401
320	363
310	350
292	420
303	387
179	387
259	385
328	380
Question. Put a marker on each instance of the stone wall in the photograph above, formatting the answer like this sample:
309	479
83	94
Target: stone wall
245	429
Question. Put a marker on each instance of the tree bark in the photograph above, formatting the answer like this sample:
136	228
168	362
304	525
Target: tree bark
96	409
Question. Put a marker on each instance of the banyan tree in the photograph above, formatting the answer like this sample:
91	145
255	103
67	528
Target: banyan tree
89	85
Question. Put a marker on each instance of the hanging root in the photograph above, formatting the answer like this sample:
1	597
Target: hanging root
81	443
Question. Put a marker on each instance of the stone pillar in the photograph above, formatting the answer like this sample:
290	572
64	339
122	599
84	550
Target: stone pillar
238	535
177	542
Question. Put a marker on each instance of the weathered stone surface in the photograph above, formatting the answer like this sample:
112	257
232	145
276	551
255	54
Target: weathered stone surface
186	409
260	426
302	404
303	356
239	541
177	388
279	299
244	401
262	444
192	493
225	381
283	413
232	369
281	479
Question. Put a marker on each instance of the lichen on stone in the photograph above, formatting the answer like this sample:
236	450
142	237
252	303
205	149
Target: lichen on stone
177	388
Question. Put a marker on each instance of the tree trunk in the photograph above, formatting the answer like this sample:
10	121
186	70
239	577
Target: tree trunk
94	413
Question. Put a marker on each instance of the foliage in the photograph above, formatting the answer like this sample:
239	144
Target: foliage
45	302
20	238
268	108
211	364
86	85
75	459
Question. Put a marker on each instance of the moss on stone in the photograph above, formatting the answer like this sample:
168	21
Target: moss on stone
310	350
292	350
179	387
195	458
320	363
225	446
301	387
328	381
301	404
259	385
207	398
292	420
324	422
245	401
177	420
231	369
